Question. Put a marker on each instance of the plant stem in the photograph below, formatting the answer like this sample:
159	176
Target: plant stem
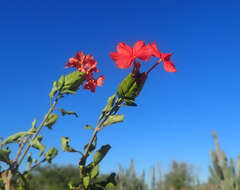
98	127
93	136
39	129
159	61
37	164
21	148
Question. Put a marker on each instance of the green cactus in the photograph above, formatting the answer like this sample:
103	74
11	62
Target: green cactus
223	172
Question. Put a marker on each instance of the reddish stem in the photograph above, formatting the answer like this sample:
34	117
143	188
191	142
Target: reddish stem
157	63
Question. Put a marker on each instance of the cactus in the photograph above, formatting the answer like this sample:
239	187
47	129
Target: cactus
222	171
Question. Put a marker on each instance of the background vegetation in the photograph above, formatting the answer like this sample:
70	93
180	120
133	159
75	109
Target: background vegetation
181	176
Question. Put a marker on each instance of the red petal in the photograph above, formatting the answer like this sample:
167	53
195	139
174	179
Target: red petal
91	84
80	55
100	80
169	66
124	63
124	49
145	53
155	51
138	46
166	56
114	56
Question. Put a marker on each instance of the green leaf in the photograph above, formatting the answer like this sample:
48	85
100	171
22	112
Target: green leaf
72	82
65	145
131	86
50	154
57	85
51	120
95	171
36	143
33	129
64	112
54	90
29	161
109	106
16	137
68	92
86	181
99	155
113	119
89	127
60	82
129	103
4	155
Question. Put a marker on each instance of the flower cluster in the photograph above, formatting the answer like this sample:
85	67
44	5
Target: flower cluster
86	64
126	55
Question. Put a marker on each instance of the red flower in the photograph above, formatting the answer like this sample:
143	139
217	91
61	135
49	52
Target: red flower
167	63
93	83
86	64
83	63
125	54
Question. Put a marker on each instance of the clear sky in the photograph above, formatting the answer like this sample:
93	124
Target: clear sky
176	112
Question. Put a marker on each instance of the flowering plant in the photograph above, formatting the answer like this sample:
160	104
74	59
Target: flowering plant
85	65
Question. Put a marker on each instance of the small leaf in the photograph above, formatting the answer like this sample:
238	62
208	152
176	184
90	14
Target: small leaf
95	171
60	82
129	103
4	155
86	181
65	145
113	119
16	137
50	154
89	127
51	120
54	90
99	155
64	112
68	92
36	143
109	106
33	129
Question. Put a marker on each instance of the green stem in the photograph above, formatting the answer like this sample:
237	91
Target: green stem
39	129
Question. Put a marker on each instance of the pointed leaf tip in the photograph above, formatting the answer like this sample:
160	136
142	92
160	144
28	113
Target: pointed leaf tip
113	119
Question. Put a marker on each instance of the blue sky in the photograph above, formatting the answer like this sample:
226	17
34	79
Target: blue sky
176	112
